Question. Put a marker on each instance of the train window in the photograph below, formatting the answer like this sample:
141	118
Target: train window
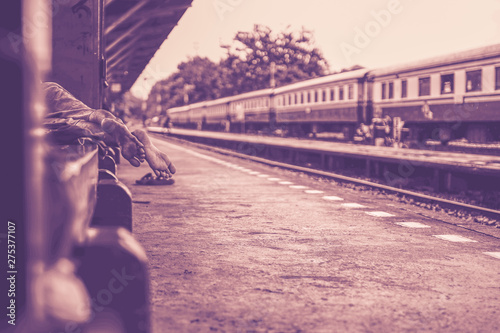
350	92
424	86
341	93
404	89
324	95
391	90
332	94
497	78
384	89
447	83
473	80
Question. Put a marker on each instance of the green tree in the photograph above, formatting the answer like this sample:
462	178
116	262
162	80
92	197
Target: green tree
251	56
252	59
197	79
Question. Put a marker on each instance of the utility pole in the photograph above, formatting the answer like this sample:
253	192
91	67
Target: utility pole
272	82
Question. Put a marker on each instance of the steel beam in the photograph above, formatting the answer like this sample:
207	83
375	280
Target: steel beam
125	34
122	49
125	16
120	59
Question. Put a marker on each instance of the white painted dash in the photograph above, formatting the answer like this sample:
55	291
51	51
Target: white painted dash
412	225
263	176
380	214
352	205
298	187
273	179
332	198
493	254
454	238
254	173
314	191
286	183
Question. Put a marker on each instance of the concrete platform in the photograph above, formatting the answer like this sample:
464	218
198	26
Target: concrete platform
484	164
235	246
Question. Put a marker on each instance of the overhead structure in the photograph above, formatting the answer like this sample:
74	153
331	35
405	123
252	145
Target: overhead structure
133	31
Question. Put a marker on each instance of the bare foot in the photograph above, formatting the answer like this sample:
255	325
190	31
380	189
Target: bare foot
132	149
157	160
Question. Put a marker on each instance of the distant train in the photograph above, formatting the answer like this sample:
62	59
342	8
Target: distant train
442	98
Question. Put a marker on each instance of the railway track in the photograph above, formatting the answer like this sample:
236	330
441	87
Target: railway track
454	207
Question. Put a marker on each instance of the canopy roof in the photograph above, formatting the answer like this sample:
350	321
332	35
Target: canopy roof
133	32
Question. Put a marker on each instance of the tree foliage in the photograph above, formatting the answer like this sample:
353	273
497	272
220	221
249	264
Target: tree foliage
250	59
251	56
197	79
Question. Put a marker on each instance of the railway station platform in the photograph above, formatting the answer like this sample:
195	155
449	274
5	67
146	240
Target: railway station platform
449	171
482	163
236	246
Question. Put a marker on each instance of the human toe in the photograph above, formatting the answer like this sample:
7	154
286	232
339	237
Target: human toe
171	168
135	161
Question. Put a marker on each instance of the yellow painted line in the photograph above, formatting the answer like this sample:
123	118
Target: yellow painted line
493	254
380	214
455	238
352	205
412	225
314	191
332	198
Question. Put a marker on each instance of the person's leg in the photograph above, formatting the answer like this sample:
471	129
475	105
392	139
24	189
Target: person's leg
157	160
63	104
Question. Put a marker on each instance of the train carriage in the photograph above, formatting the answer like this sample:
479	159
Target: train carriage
179	116
331	103
217	115
250	112
443	98
197	115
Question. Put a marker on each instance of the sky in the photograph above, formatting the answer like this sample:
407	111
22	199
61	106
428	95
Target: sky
371	33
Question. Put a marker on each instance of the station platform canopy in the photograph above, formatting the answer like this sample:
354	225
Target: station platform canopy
133	31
